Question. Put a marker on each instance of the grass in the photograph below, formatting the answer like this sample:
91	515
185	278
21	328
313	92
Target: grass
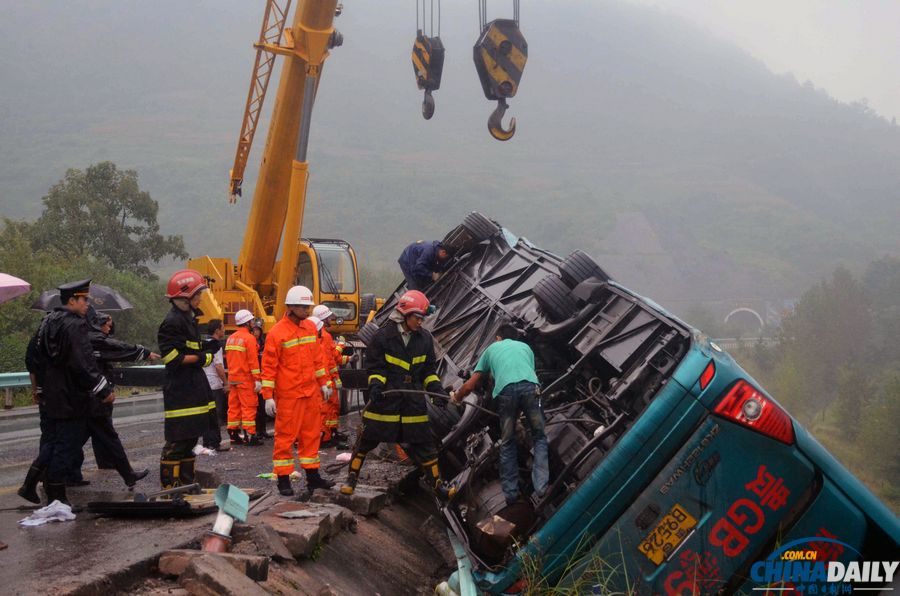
22	395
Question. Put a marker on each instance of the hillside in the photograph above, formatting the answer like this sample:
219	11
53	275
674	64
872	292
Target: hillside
677	160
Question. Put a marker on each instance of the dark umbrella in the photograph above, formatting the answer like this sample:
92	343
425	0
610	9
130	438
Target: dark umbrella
101	298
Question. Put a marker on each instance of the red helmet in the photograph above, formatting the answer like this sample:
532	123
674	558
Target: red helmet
185	283
413	302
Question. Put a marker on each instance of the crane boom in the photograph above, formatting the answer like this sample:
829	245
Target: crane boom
306	47
272	29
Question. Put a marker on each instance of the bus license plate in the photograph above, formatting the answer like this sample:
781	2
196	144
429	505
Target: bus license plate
668	534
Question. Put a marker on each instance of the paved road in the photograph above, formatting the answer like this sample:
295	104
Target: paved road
47	558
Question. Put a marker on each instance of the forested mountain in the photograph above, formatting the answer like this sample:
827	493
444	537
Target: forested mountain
683	165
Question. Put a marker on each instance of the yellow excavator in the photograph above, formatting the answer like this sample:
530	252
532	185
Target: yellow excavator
258	281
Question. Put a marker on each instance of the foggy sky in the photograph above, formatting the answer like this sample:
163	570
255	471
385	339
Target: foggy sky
850	49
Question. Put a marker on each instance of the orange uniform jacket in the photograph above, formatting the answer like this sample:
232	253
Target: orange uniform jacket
293	365
331	352
242	356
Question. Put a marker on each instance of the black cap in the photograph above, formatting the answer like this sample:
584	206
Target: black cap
74	289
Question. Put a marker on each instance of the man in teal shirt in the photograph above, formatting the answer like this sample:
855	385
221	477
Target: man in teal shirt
511	364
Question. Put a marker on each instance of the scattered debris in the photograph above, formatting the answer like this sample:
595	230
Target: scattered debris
55	511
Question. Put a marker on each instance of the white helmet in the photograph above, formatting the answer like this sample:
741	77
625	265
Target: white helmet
299	296
242	316
322	312
315	320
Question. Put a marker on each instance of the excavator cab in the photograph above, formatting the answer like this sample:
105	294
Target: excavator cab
328	267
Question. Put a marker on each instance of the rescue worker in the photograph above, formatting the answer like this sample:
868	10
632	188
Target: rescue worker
423	262
186	391
262	419
35	474
294	383
331	409
218	401
108	450
68	381
241	352
401	356
511	363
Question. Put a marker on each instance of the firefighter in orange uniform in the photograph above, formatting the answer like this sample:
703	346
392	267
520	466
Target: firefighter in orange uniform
295	382
331	410
241	352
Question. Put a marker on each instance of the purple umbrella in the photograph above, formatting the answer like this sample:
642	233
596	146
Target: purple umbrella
10	287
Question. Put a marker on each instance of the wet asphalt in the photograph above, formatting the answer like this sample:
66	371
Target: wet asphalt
50	558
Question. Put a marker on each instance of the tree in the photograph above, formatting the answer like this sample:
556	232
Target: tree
102	213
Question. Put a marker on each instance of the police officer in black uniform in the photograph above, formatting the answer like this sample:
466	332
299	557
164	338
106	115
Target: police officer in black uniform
186	391
70	382
401	356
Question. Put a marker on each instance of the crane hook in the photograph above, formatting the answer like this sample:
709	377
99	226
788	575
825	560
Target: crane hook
428	105
495	124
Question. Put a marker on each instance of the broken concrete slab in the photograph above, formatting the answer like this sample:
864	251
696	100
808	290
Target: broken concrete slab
207	479
300	537
175	562
363	501
264	538
214	576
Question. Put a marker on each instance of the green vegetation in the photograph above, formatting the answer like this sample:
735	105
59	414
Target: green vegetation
96	224
836	367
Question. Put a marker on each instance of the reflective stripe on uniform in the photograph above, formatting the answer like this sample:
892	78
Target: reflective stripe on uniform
268	384
298	341
331	422
282	462
208	360
211	405
194	345
254	371
248	422
382	417
233	424
377	378
308	460
187	412
170	356
235	349
414	419
397	361
419	359
321	372
431	379
333	370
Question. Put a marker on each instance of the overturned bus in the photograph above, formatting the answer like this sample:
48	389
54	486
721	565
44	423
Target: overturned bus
672	470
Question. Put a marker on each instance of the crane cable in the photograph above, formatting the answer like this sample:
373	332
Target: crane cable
482	13
429	18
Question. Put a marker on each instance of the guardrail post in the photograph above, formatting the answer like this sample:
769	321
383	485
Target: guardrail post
8	401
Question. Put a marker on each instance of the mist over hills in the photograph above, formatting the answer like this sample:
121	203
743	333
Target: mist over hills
682	164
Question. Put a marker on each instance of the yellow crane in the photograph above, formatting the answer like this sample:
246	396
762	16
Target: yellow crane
257	281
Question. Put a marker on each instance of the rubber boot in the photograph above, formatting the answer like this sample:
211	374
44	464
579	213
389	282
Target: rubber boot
235	435
56	491
442	490
28	490
284	486
169	473
315	480
253	440
186	472
355	465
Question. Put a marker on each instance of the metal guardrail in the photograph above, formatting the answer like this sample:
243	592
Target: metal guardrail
132	376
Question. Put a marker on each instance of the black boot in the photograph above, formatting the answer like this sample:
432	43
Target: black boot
186	472
284	486
131	476
28	491
168	473
315	480
235	435
56	491
442	490
253	440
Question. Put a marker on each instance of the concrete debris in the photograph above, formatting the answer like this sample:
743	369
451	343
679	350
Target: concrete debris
175	562
213	575
264	538
362	502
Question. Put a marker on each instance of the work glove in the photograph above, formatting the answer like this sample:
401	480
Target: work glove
257	387
270	408
326	392
453	397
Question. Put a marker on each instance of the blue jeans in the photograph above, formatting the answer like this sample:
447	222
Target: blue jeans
515	398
